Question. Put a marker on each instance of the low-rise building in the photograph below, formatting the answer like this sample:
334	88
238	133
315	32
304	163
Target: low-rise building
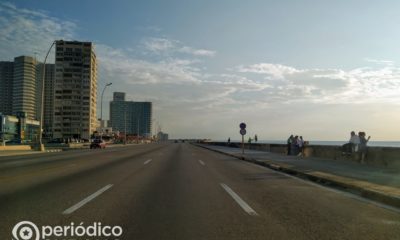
19	129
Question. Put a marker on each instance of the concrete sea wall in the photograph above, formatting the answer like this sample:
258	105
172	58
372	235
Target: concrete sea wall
378	156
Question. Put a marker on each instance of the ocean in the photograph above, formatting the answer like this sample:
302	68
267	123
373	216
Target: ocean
335	143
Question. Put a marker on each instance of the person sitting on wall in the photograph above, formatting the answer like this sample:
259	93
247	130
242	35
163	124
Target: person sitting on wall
352	145
355	141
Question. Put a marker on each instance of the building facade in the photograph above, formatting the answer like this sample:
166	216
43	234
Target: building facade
24	91
6	86
21	90
48	111
19	129
130	117
75	90
161	136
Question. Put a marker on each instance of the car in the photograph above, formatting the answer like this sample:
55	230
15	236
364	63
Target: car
98	143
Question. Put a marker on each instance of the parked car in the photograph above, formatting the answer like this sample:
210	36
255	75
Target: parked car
98	143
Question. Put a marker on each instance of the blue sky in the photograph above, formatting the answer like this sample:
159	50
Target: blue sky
314	68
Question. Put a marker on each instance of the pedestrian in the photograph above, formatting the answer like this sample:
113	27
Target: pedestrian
229	140
354	141
363	145
300	145
289	144
255	138
294	147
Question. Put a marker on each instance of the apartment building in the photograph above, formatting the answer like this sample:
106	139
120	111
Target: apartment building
129	116
6	86
75	90
24	89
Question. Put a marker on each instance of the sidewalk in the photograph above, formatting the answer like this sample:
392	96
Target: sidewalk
6	153
376	183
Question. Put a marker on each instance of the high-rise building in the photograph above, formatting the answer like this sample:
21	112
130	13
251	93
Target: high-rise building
6	86
24	91
21	88
134	117
48	111
119	96
75	90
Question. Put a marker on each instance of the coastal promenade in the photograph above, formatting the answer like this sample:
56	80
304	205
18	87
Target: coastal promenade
377	183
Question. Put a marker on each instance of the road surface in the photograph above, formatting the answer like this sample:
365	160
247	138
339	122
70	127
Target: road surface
179	191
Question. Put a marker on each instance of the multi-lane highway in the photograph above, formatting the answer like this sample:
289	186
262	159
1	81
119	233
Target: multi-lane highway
180	191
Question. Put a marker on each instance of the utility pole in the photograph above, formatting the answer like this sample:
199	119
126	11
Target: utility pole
101	109
41	146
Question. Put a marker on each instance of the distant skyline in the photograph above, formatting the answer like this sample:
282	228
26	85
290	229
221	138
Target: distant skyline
314	68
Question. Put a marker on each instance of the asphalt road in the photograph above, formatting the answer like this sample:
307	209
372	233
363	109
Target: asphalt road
179	191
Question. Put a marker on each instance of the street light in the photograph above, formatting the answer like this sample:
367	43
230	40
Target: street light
101	108
41	146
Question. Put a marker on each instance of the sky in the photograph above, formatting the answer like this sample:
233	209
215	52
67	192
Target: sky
319	69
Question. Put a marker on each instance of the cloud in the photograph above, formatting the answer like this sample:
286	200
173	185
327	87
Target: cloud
275	71
197	52
30	32
169	47
377	61
116	64
359	85
158	45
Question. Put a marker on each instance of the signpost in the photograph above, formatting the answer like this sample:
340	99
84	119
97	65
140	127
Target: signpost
242	132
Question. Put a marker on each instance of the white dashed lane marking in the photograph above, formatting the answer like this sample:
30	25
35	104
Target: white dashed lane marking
86	200
239	200
147	161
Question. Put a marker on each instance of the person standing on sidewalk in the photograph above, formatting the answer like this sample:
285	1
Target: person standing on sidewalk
300	144
289	144
363	145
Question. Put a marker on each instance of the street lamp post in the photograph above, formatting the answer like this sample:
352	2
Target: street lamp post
41	146
101	108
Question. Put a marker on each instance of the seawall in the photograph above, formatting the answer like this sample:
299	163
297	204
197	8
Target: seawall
378	156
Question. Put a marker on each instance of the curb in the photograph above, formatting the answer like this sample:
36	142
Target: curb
377	196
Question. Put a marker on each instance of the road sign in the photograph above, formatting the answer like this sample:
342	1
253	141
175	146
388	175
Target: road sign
243	131
242	125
